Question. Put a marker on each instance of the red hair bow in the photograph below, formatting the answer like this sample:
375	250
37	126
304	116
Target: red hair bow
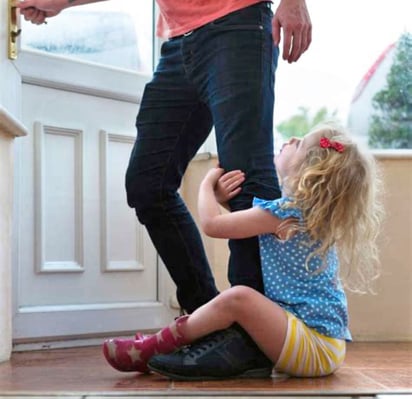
326	143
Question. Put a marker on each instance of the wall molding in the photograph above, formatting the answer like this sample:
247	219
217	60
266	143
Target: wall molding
10	125
393	154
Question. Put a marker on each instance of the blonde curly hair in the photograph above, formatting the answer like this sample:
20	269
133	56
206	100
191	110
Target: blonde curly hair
338	195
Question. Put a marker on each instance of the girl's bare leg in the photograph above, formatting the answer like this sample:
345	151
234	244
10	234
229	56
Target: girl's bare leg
264	320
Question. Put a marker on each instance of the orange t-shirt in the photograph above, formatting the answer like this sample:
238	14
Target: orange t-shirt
181	16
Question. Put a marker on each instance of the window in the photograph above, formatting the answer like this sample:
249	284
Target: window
114	33
352	52
353	49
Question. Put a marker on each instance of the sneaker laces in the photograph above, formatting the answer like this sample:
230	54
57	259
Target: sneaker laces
204	344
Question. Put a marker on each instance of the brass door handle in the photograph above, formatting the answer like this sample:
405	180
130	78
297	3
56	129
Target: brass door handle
14	28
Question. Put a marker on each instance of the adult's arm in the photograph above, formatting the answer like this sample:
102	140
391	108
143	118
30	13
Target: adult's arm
293	21
37	11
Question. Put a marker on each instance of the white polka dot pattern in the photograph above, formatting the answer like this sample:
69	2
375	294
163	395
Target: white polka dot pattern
311	292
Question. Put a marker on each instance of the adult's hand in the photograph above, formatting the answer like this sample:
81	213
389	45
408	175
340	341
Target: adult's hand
37	11
292	18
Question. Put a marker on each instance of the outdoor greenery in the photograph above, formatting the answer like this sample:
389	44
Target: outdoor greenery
300	124
391	123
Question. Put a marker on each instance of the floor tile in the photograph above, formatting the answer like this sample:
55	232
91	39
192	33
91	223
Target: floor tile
369	369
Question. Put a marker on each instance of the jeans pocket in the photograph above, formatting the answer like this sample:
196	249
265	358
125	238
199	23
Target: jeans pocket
255	17
238	20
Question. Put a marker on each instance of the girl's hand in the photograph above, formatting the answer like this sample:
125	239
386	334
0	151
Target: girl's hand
212	176
228	186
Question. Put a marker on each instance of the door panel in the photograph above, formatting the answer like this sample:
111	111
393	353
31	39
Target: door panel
83	265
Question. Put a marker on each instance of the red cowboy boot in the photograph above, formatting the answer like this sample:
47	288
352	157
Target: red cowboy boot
133	354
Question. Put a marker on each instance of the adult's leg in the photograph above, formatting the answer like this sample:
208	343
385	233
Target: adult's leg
171	126
239	60
232	62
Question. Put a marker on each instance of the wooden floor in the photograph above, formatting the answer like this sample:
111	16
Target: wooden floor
370	369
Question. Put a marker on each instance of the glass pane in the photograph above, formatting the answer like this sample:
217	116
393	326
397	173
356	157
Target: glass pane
348	63
114	33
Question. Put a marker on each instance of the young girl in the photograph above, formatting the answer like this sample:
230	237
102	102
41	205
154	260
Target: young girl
327	213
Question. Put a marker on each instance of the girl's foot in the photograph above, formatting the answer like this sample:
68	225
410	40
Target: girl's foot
125	354
133	354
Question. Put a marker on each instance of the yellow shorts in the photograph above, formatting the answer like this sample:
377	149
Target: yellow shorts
307	353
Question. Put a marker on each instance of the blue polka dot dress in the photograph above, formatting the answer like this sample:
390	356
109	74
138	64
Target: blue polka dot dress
311	291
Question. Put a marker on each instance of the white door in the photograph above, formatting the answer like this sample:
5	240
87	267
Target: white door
82	264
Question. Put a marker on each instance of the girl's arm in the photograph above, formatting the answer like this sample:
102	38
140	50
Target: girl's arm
240	224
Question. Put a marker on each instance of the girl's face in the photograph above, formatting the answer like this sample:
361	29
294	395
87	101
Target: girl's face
293	153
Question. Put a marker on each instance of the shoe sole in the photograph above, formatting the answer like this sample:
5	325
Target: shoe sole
254	373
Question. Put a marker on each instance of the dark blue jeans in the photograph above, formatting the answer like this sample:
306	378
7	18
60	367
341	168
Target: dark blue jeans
221	74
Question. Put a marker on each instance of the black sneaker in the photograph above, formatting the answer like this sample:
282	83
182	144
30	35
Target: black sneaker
224	354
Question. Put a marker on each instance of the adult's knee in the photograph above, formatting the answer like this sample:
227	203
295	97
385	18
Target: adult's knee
142	195
137	190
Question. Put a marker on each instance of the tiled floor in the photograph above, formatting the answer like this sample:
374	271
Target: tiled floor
370	369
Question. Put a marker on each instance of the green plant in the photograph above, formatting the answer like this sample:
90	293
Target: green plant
391	124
